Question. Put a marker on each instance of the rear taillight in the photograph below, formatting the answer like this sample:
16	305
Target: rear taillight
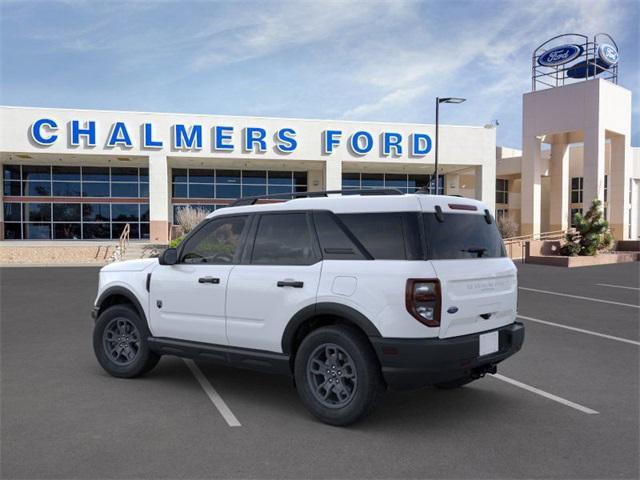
423	301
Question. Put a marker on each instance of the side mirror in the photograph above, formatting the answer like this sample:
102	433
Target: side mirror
169	257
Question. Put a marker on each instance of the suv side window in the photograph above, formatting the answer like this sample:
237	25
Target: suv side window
334	241
283	239
216	243
386	236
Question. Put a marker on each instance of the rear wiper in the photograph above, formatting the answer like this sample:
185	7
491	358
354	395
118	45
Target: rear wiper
479	251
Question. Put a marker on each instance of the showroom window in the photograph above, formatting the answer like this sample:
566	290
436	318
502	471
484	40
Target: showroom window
406	183
188	185
77	202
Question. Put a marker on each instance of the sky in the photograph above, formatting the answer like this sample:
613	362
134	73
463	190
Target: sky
343	60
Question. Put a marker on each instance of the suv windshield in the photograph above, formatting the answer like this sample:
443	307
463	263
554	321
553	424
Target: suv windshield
462	235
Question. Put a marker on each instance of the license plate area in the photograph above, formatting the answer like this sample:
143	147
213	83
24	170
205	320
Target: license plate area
489	343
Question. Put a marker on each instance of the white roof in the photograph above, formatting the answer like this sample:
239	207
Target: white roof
362	204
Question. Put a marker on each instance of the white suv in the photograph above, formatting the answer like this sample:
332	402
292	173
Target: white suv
349	294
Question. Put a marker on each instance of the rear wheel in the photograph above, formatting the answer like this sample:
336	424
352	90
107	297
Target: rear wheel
337	375
120	343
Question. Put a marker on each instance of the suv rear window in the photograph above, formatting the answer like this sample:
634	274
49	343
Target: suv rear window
462	235
386	236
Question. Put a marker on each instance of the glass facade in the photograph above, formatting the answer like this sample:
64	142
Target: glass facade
406	183
77	202
502	190
190	186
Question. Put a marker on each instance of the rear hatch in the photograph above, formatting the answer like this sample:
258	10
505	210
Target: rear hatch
478	281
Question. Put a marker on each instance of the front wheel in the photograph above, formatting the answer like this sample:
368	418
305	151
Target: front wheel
337	375
120	343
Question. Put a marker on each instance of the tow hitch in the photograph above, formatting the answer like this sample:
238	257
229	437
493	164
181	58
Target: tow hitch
483	370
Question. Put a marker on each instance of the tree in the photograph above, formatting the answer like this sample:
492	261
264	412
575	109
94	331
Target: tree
592	233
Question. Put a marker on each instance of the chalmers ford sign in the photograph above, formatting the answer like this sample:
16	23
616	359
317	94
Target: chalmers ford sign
220	138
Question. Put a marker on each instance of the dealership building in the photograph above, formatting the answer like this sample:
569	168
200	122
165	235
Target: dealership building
86	174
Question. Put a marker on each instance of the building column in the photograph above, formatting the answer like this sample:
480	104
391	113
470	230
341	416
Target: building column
1	204
332	174
531	186
314	180
593	166
559	204
159	198
485	185
618	190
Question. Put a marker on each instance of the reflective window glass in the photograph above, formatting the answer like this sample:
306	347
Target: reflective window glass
215	243
96	230
12	212
37	231
37	212
120	174
66	212
36	172
201	176
11	172
12	188
179	175
37	189
253	190
124	212
96	212
227	191
144	190
197	190
66	173
70	231
66	189
129	190
95	189
227	176
95	174
283	239
13	231
254	177
280	178
179	190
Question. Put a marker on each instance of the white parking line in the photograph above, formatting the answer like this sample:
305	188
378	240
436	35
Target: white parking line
213	395
579	297
616	286
548	395
581	330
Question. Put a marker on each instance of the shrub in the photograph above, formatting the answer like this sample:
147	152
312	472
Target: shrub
189	217
176	241
508	227
592	233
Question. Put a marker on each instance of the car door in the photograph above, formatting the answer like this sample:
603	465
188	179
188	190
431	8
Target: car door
187	300
278	277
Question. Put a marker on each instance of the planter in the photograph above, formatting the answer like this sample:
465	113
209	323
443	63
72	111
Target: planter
602	259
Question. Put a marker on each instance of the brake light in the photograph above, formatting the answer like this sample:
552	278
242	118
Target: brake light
423	301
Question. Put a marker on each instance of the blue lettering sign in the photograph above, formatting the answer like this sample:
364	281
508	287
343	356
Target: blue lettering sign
421	144
560	55
255	136
147	138
222	135
391	140
37	134
89	132
183	139
357	146
286	142
331	140
119	136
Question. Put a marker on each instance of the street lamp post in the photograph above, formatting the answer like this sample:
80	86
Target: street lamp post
438	102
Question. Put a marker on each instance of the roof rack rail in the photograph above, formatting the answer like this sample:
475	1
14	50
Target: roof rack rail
241	202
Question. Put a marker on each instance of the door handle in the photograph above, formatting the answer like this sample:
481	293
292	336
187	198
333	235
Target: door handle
209	280
290	283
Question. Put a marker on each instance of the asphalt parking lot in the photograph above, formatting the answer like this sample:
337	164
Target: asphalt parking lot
567	406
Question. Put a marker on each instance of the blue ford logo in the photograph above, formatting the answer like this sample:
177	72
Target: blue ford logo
560	55
608	54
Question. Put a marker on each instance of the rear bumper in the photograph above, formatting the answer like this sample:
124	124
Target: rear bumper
417	362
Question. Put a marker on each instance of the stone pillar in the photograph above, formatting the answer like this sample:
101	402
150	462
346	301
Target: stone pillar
531	186
485	185
593	166
159	198
618	188
559	204
332	174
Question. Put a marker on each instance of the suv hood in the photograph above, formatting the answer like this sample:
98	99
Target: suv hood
130	265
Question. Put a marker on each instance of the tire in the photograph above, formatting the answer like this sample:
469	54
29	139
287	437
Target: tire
454	383
353	385
132	357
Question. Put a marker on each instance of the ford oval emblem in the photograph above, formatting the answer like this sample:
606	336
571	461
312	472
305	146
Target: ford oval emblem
608	54
560	55
452	309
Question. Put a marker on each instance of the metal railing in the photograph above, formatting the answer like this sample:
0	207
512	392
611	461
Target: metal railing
123	243
515	246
